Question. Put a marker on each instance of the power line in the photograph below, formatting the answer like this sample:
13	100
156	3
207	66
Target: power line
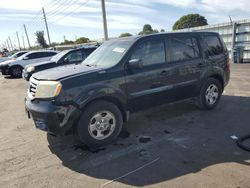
69	13
66	7
56	11
59	7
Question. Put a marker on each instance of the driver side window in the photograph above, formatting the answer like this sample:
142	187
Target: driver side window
150	52
75	56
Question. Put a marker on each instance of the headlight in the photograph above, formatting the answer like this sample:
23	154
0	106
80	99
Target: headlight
48	89
30	69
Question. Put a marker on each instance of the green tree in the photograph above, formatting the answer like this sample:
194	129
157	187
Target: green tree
190	20
66	42
40	39
162	30
82	40
125	35
147	29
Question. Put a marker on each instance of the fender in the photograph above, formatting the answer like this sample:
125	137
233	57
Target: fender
214	71
99	91
16	63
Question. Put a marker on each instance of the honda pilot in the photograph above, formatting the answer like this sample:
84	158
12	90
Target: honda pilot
93	99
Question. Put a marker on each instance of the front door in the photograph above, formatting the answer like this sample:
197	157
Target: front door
145	83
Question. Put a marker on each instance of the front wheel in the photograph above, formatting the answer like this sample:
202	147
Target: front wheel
16	72
100	123
210	94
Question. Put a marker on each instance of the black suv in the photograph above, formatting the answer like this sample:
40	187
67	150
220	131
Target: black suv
65	57
94	98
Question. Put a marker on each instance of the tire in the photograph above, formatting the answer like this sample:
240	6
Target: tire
100	124
16	72
210	94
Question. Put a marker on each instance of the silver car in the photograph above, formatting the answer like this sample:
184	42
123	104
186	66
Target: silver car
15	68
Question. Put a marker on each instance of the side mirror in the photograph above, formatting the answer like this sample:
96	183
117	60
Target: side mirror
135	63
25	58
66	60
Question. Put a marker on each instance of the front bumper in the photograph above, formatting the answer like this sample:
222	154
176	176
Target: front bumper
51	118
5	69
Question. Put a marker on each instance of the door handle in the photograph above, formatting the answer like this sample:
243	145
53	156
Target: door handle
200	64
164	72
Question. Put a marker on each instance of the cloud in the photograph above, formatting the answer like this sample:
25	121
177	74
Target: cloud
224	5
122	15
23	4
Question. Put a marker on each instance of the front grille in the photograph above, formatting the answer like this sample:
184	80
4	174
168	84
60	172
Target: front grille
32	87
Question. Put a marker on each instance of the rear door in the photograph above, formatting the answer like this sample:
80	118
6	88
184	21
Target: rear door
37	57
214	49
45	56
187	64
32	58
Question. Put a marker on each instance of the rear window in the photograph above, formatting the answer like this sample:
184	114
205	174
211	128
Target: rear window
214	46
184	48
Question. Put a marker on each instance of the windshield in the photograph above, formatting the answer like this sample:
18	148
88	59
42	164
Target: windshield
108	54
58	56
17	54
22	56
13	56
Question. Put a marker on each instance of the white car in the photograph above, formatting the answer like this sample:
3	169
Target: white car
15	68
14	56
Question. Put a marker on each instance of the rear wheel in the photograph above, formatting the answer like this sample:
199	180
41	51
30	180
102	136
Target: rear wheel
100	124
16	72
210	94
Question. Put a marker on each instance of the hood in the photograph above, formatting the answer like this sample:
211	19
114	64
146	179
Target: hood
7	62
40	63
2	59
62	72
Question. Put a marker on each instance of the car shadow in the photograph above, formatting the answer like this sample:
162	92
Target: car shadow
11	78
163	143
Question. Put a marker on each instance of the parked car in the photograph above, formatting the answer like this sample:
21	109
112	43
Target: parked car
65	57
15	68
93	99
14	56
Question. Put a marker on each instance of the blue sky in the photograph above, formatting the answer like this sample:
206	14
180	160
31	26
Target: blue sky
76	18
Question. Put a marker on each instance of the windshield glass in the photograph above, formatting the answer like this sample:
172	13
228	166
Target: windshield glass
22	56
108	54
58	56
17	54
14	55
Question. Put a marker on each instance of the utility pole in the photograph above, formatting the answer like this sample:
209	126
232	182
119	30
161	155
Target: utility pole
8	45
230	19
11	43
104	19
26	35
23	42
18	40
46	24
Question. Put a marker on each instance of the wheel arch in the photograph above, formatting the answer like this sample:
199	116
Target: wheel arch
113	100
219	78
14	66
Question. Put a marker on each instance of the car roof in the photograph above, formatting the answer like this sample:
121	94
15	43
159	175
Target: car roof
35	51
81	48
137	37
